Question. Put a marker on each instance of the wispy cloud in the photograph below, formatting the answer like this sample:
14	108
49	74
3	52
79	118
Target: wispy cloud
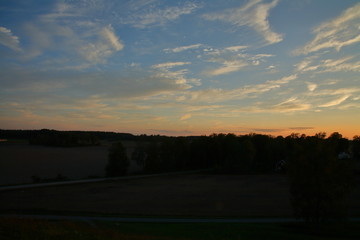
254	14
344	64
340	32
68	31
148	15
291	105
185	117
267	130
8	39
108	34
106	43
228	67
333	92
301	128
170	64
164	71
311	86
72	85
182	48
236	48
324	98
231	59
335	101
304	65
212	95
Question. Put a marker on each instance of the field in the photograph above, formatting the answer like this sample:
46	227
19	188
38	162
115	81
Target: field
178	195
187	195
19	162
50	230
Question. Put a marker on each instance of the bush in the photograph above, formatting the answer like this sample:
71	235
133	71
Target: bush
118	161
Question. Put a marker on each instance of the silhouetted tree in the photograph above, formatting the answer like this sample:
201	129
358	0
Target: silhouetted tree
247	155
153	159
263	161
319	181
139	154
355	148
118	162
200	153
320	135
339	143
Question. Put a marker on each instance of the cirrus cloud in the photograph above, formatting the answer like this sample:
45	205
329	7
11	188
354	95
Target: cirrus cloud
8	39
182	48
148	16
254	14
340	32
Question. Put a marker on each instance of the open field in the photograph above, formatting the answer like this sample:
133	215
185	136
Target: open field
178	195
25	229
19	162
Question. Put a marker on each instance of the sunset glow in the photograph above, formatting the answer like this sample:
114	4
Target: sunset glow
181	67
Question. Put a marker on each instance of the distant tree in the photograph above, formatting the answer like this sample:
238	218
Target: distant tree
153	159
294	135
319	182
139	154
335	136
320	135
200	153
263	161
247	154
230	154
118	162
339	143
355	148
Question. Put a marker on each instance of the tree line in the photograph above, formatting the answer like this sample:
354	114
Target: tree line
320	169
55	138
228	153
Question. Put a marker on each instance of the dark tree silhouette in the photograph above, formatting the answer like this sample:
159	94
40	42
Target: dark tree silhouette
319	181
118	162
355	148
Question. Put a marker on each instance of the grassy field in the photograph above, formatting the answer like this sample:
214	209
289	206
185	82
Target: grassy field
177	195
20	161
185	195
52	230
190	195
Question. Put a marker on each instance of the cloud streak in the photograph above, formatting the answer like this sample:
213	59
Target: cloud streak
222	95
8	39
340	32
148	16
106	43
182	48
185	117
254	14
345	64
69	31
228	67
108	34
291	105
169	65
232	59
335	102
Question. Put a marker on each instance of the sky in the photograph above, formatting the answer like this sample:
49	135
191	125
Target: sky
180	68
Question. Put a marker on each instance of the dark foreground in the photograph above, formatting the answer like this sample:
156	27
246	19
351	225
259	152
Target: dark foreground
178	195
27	229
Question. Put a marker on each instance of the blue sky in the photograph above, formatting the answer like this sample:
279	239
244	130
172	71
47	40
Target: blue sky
181	67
